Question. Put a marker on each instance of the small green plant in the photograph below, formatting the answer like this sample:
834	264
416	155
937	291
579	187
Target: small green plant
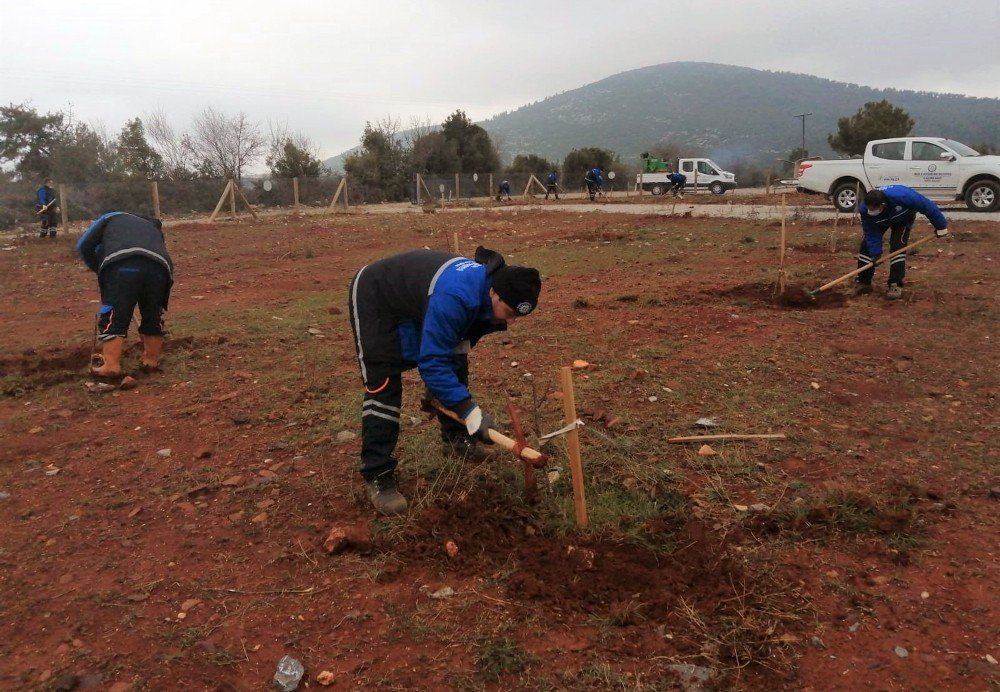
497	657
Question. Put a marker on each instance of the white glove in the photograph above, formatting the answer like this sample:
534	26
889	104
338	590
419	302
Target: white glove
940	232
478	424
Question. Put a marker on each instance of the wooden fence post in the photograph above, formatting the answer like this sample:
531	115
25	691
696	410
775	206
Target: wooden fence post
63	206
232	199
781	250
156	199
295	192
573	447
222	200
457	195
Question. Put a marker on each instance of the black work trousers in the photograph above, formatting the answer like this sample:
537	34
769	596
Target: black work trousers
377	343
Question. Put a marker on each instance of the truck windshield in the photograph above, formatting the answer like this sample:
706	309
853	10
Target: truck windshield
960	148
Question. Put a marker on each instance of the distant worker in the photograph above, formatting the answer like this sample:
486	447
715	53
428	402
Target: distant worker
129	255
426	309
551	185
503	192
677	180
893	208
45	207
595	182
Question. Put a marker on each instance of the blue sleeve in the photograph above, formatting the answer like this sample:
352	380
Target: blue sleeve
88	244
444	328
914	200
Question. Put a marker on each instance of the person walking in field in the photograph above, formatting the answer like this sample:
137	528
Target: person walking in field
677	182
594	180
892	208
45	207
129	255
552	184
503	192
426	309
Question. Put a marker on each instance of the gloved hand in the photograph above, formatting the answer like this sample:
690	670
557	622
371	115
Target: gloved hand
479	424
940	232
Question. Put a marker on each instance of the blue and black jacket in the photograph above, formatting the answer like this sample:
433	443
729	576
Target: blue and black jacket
678	179
594	177
45	195
118	235
438	302
901	207
552	178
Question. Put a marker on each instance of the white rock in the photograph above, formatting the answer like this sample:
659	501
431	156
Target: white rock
443	592
165	452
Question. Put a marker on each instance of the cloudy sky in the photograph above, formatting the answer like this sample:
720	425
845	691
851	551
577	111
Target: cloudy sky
324	68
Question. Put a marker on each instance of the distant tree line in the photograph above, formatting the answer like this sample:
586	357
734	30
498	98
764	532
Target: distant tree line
34	146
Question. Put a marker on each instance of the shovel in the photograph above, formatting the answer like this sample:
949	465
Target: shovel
879	260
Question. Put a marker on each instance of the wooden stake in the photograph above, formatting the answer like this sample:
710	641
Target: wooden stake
456	188
573	447
295	192
833	233
710	438
454	242
491	190
222	200
781	249
336	194
416	184
347	196
245	201
156	199
63	206
232	200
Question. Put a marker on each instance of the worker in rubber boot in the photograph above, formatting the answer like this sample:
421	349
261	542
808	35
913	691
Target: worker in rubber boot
129	255
892	208
426	309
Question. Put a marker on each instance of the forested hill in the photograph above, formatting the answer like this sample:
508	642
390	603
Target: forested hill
730	113
726	112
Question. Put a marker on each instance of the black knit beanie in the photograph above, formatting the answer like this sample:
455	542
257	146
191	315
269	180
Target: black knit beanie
518	287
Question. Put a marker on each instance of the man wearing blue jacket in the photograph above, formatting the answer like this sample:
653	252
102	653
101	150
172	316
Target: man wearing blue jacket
552	185
426	309
893	208
45	207
677	182
129	256
594	181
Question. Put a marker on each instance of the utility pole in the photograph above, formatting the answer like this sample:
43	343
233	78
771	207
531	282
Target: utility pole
803	117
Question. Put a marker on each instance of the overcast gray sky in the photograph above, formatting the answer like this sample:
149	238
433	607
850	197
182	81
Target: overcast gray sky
324	68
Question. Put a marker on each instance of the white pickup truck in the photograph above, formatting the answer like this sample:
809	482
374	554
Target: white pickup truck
700	173
939	169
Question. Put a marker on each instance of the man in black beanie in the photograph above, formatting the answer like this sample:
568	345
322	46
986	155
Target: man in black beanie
426	309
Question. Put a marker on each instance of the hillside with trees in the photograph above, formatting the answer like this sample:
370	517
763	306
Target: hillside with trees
732	114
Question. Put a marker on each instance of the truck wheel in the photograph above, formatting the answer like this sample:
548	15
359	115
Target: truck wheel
983	195
845	197
716	188
657	189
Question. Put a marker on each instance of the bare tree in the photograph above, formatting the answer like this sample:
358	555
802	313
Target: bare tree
279	136
169	145
225	145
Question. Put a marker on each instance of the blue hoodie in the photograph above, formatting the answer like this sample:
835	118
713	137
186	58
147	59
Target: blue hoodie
901	207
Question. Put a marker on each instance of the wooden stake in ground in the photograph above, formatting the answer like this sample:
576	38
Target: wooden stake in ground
232	200
295	193
573	447
342	189
156	199
222	200
781	249
63	206
833	233
454	242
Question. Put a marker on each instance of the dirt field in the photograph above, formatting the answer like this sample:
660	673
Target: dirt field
170	537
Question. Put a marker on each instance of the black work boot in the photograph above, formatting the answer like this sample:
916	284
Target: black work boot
466	450
384	493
